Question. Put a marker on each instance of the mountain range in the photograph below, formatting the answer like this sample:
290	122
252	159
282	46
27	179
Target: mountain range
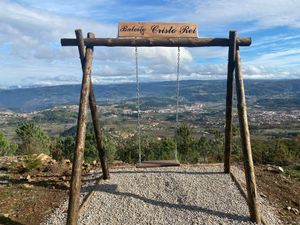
266	93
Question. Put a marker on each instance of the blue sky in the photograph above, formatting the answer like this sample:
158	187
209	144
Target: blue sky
30	32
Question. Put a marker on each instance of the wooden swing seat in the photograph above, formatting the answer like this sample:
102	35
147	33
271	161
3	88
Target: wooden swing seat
158	163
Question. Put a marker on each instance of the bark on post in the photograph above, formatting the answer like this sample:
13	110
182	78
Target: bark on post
229	99
246	145
148	42
93	107
80	140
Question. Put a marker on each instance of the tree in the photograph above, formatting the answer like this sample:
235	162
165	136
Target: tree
91	151
204	148
280	153
128	150
167	148
186	145
6	149
33	140
63	148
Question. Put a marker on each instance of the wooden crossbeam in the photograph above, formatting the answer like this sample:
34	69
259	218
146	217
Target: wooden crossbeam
151	42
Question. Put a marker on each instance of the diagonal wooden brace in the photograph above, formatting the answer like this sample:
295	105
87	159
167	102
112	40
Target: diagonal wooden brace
75	187
93	107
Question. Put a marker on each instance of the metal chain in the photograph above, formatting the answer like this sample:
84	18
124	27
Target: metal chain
138	104
177	101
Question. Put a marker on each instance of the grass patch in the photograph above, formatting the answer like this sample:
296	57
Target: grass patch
294	171
32	163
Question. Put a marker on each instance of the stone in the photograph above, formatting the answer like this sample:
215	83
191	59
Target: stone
294	210
28	178
66	161
65	185
29	186
275	169
280	169
44	158
263	195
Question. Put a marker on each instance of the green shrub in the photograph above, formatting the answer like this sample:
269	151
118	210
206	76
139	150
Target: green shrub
32	163
6	149
33	140
293	171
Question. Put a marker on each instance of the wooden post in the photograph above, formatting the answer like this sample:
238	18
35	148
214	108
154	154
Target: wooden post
229	99
93	107
246	145
80	140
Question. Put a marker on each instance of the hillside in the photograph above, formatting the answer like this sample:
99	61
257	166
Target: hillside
266	93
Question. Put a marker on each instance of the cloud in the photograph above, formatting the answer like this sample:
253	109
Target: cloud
278	58
255	14
30	33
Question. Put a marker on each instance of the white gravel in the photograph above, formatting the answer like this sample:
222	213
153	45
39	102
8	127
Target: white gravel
181	195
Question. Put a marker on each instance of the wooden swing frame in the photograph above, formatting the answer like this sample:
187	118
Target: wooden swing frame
85	47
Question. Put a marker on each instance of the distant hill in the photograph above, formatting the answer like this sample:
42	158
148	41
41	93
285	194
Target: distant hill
265	92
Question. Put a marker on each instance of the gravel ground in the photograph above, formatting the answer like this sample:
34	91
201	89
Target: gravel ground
181	195
267	211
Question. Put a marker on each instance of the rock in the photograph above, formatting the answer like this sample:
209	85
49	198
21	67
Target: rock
5	215
52	161
275	169
294	210
65	185
27	186
28	178
44	158
21	168
66	161
280	169
263	195
94	162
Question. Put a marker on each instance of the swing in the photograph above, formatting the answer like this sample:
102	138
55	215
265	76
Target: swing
156	163
234	70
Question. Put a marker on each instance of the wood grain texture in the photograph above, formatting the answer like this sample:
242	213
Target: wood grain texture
246	144
229	100
74	196
94	111
152	42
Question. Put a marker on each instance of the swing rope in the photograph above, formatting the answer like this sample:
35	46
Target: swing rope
138	103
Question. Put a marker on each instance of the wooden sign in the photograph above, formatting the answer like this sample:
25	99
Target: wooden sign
157	30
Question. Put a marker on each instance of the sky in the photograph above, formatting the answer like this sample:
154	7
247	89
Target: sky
31	54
